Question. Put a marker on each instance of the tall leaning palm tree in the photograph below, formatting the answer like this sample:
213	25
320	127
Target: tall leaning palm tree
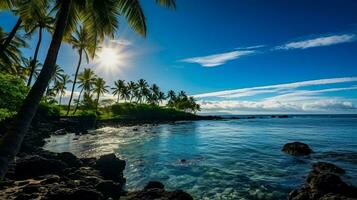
99	88
80	41
119	85
25	9
11	56
40	21
102	15
86	80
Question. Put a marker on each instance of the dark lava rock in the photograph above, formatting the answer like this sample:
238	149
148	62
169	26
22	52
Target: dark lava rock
70	159
110	167
154	184
110	189
297	149
324	186
73	194
327	167
34	165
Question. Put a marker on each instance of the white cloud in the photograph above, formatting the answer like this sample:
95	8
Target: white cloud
282	98
319	42
274	88
217	59
269	107
123	42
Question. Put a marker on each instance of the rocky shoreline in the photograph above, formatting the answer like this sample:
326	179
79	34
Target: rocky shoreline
40	174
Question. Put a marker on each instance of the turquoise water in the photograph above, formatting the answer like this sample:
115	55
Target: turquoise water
227	159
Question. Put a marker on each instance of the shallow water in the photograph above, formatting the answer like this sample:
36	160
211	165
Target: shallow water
228	159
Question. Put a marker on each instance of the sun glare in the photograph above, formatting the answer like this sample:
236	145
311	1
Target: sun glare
108	57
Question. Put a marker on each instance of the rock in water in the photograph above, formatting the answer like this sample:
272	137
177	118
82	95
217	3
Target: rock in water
154	184
327	167
324	186
110	167
297	149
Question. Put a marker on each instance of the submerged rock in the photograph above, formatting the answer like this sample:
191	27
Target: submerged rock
327	167
297	149
155	190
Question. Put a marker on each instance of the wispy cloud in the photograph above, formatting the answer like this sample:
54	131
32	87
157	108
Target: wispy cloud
122	42
319	42
217	59
283	98
274	88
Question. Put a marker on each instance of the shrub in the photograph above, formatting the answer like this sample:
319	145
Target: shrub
88	113
12	93
48	110
147	112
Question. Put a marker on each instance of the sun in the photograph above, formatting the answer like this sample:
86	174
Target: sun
108	57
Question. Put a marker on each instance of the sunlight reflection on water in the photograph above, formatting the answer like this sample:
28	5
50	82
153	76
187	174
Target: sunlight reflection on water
231	159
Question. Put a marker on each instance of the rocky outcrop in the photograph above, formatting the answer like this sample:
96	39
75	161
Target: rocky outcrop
324	183
62	176
297	149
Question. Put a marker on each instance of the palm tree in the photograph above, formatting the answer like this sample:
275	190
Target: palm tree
160	97
57	74
99	89
172	98
102	18
11	57
132	89
26	69
40	21
80	41
86	80
25	10
119	86
60	86
125	94
155	90
143	89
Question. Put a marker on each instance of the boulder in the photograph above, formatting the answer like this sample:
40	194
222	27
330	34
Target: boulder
327	167
324	186
34	165
110	189
154	184
110	167
297	149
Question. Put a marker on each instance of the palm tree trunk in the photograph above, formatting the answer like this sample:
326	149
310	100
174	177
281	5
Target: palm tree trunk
60	98
10	36
79	98
118	98
96	105
33	62
11	142
75	80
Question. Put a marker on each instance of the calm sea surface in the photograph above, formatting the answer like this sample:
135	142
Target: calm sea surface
227	159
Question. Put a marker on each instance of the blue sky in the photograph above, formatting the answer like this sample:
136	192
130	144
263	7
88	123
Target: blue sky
208	46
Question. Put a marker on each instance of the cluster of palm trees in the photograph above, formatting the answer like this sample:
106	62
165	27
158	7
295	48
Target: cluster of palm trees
62	18
141	92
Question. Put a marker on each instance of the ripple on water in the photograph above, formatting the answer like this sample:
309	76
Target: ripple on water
231	159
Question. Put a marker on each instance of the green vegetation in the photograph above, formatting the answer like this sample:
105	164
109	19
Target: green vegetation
12	92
